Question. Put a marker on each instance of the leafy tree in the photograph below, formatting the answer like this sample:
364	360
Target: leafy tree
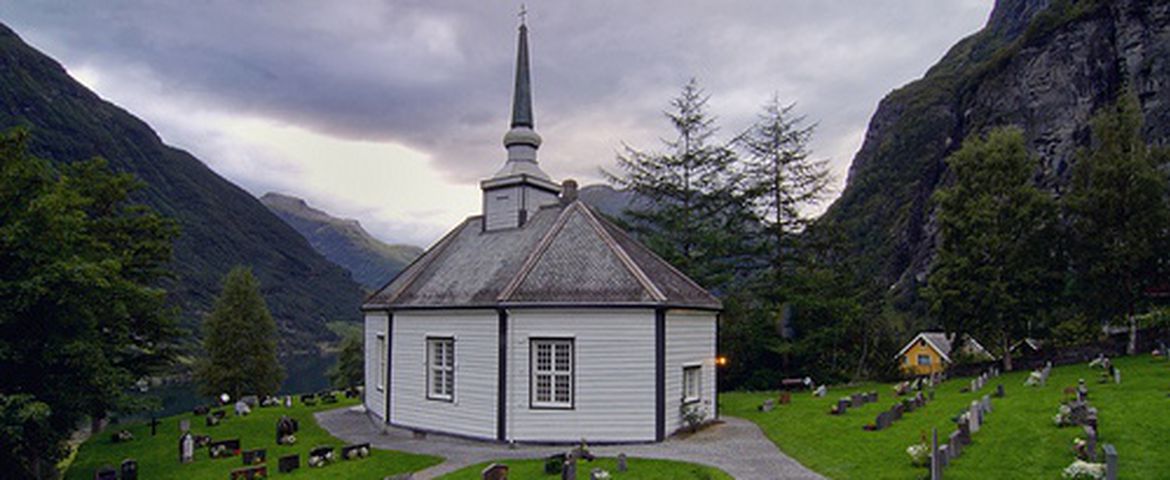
240	340
781	179
1116	208
997	267
82	321
350	368
697	215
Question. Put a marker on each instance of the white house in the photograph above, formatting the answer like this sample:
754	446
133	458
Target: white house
539	320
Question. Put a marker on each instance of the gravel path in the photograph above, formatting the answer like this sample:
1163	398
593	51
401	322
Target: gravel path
735	446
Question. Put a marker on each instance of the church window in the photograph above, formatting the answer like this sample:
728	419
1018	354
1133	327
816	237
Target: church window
692	383
381	352
552	373
441	368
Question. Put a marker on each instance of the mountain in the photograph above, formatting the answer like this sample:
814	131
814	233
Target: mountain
1045	66
221	224
610	201
372	262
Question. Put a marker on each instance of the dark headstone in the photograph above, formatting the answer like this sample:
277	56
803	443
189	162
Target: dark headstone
202	441
220	414
200	410
621	463
285	428
331	398
999	393
105	473
495	471
351	392
965	431
154	423
954	445
897	411
211	421
356	451
250	473
255	457
767	406
1110	462
129	470
569	471
320	456
1091	443
842	406
251	401
935	463
289	463
882	422
224	448
856	400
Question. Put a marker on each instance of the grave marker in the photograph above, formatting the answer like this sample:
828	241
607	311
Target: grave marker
1110	462
1091	443
105	473
255	457
621	463
495	471
129	469
954	444
186	448
289	463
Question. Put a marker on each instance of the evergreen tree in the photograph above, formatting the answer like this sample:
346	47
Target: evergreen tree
240	340
697	214
350	368
1116	208
997	268
781	179
82	321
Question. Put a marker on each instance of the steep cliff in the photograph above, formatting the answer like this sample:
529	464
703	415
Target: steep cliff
1045	66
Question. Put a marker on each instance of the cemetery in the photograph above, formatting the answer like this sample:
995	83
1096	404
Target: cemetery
637	468
249	446
1008	432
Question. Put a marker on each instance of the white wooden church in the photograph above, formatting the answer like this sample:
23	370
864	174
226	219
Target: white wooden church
539	320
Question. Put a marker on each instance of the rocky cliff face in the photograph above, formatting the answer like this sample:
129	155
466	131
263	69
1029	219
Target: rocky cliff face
1045	66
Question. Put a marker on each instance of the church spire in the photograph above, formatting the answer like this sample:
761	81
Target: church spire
522	95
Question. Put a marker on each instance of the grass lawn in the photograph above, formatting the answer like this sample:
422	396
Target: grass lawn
1018	439
639	468
158	457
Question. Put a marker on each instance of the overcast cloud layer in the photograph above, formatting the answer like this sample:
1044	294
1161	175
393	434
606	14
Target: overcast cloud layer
391	111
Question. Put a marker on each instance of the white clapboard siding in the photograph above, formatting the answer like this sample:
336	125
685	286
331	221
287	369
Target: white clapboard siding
690	339
614	375
375	398
473	411
502	206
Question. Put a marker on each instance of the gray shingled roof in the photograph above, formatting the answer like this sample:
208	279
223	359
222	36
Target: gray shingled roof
563	255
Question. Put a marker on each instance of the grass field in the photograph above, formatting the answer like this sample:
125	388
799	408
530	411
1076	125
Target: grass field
1018	439
639	468
158	456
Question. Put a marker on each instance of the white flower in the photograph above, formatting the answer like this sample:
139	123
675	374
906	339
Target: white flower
1082	470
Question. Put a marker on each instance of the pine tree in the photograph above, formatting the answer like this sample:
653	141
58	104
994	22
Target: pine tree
350	368
697	215
997	267
1116	207
240	341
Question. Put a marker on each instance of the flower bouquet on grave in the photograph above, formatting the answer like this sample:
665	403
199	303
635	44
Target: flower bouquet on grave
1080	448
599	474
1063	417
919	454
1082	470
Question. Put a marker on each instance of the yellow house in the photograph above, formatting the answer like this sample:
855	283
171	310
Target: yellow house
930	352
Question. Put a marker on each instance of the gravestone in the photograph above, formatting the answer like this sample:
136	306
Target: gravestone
129	470
598	474
999	393
1091	443
954	444
211	421
973	416
935	464
856	400
186	448
105	473
320	456
309	399
242	408
200	410
768	405
986	404
249	473
569	470
224	448
842	406
821	391
154	423
202	441
288	401
250	400
873	396
285	428
184	425
944	455
621	463
289	463
972	387
897	411
495	471
355	451
883	421
965	429
1117	376
1110	462
331	398
255	457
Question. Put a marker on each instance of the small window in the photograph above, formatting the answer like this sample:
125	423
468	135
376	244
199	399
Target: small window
552	373
924	359
692	383
441	369
381	353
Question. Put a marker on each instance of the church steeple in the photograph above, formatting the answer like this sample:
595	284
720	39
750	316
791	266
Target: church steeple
520	186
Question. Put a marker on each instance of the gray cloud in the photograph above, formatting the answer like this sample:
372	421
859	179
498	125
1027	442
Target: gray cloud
437	75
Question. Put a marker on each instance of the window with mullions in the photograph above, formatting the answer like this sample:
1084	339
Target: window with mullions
441	368
552	373
692	383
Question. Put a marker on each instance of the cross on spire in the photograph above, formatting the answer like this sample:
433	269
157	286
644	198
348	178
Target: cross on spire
523	14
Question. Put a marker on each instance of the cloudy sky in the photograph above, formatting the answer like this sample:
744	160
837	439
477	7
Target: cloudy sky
391	111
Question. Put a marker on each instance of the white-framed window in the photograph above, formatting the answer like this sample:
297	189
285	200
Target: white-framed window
381	353
552	372
441	368
692	383
924	359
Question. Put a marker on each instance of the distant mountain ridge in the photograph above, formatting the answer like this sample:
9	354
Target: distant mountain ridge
221	224
372	262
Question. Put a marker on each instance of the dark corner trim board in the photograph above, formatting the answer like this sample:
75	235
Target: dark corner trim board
659	374
502	379
389	363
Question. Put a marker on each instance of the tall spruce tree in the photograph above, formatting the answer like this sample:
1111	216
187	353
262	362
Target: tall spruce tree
350	369
781	179
697	214
997	267
240	340
1116	208
82	321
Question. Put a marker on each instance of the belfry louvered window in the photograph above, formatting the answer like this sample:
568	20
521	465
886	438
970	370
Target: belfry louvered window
441	368
552	373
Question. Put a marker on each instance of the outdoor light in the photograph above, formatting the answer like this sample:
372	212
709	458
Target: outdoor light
721	361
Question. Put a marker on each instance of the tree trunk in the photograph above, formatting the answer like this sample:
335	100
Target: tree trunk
1007	356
